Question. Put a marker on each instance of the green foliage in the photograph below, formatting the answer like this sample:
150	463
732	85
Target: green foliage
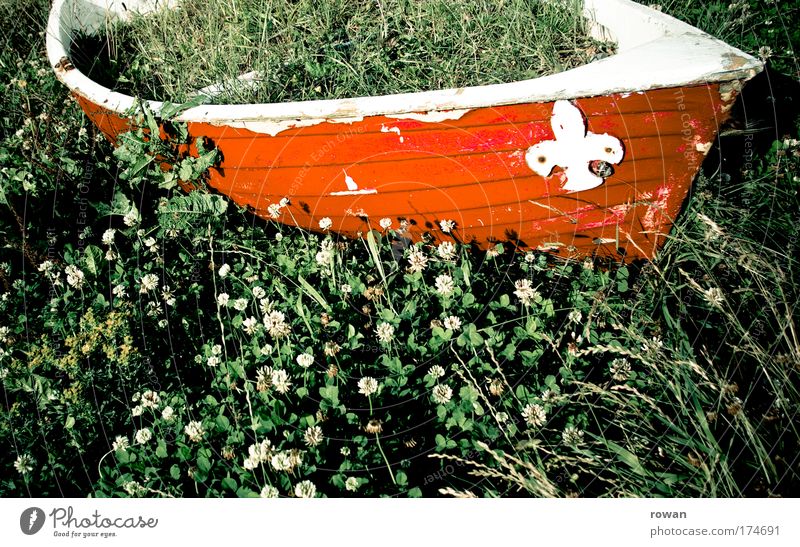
304	50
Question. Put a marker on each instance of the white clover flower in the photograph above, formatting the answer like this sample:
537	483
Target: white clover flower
274	211
534	415
276	324
417	260
346	289
212	361
46	266
216	349
133	488
653	345
446	250
324	258
385	332
119	291
305	360
501	417
282	461
442	393
444	285
530	257
131	218
250	463
120	444
250	325
572	436
447	225
259	293
167	296
4	332
305	489
351	484
143	435
452	322
111	256
436	371
344	451
313	436
224	270
24	464
525	291
149	282
325	223
367	385
269	491
386	223
575	316
259	453
137	410
549	397
150	399
620	369
264	378
265	306
195	431
151	244
280	379
240	304
222	299
74	276
167	414
108	236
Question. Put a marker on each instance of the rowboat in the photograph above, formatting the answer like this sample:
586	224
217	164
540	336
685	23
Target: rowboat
596	160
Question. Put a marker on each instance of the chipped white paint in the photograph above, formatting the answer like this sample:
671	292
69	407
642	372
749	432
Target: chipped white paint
348	180
352	188
573	149
703	147
272	128
654	51
550	246
393	129
432	116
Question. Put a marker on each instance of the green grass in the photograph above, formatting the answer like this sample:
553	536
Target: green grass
675	377
341	48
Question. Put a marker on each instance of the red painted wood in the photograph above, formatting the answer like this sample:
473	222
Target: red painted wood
472	170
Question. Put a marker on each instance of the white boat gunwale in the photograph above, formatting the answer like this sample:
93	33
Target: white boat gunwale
654	51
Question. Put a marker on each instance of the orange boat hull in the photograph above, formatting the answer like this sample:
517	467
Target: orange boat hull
472	170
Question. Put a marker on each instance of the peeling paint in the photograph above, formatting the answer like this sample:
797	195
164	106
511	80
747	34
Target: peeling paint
703	147
550	246
348	180
273	128
362	192
352	188
657	209
432	116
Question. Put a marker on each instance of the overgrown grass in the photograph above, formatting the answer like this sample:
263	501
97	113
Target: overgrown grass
127	309
341	48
